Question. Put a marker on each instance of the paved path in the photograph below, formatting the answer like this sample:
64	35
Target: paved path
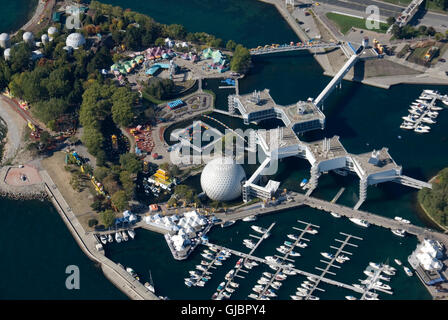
117	275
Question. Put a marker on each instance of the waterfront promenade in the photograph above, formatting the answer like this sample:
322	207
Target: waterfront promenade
116	274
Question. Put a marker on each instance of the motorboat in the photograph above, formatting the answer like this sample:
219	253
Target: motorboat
215	296
293	237
384	277
313	298
267	274
433	114
421	130
150	287
303	183
388	267
226	294
417	112
380	285
253	296
234	284
230	290
280	277
409	118
301	245
201	267
334	214
420	101
430	92
312	279
118	237
110	238
375	265
229	275
217	263
435	108
207	256
307	286
358	286
408	271
103	239
262	282
402	220
296	297
282	249
406	126
301	294
250	218
389	272
270	259
428	120
221	286
360	222
294	254
239	263
125	236
227	223
132	273
399	232
327	255
398	262
248	265
424	127
131	233
248	243
288	244
350	298
311	230
258	229
188	283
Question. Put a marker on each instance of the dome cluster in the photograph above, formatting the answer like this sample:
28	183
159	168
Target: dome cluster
221	179
75	40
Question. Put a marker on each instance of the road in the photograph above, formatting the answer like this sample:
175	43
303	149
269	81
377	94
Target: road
386	10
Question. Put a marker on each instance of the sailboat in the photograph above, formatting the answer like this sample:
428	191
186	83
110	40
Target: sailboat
150	285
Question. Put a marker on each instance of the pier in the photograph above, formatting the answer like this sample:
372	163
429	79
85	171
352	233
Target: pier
288	48
336	197
330	263
282	266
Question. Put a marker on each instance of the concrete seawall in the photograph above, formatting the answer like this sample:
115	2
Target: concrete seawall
117	275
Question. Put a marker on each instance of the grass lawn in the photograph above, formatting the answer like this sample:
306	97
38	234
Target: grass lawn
345	23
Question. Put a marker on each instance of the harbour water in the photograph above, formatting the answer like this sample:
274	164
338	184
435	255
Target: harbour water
364	117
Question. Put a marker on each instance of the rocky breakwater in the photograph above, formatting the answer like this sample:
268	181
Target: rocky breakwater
21	183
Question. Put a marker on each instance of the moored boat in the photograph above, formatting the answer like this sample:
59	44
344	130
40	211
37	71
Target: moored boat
360	222
408	271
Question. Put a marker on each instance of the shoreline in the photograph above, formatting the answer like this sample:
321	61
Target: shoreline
428	216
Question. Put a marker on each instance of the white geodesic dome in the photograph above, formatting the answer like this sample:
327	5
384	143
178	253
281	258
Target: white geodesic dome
75	40
221	179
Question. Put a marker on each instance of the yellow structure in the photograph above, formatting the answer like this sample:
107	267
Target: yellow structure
161	176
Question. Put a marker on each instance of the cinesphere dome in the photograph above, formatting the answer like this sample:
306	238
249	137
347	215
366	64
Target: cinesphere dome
221	179
75	40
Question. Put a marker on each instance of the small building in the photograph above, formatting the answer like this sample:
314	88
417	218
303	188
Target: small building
153	207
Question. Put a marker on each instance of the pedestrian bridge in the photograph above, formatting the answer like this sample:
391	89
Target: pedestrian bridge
294	47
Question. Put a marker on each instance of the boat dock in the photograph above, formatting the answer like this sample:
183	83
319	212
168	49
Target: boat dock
336	197
297	200
375	278
285	257
282	266
239	268
330	264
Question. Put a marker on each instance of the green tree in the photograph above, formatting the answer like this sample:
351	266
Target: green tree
241	59
120	200
130	163
108	218
231	45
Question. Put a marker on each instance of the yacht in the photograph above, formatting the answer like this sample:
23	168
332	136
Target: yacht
149	287
267	274
428	120
409	118
375	265
258	229
110	238
239	263
249	243
312	279
294	254
435	108
421	130
398	262
125	236
229	275
103	239
369	273
408	271
280	277
350	298
433	114
417	112
301	245
217	263
118	237
221	286
406	126
250	218
360	222
402	220
380	285
334	214
253	296
234	284
313	298
303	183
282	249
327	255
311	230
296	297
131	233
226	294
399	232
430	91
132	273
227	223
301	294
293	237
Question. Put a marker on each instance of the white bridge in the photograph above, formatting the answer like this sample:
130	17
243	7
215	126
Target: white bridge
287	48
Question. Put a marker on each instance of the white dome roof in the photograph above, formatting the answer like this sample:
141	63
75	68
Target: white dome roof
52	30
75	40
28	36
221	179
7	52
4	37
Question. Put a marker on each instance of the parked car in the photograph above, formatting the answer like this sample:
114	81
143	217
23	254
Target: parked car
442	60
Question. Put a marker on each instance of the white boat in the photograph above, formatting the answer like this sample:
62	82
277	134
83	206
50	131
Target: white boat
417	112
234	284
424	127
399	232
334	214
307	286
406	126
103	239
389	272
294	254
253	296
270	259
430	91
296	297
280	277
375	265
217	263
293	237
408	271
248	243
149	287
313	298
258	229
250	218
409	118
230	290
428	120
384	277
227	223
248	265
433	114
301	294
369	273
420	101
131	233
301	245
380	285
350	298
267	274
282	249
125	236
226	294
118	237
445	102
312	279
398	262
360	222
401	220
421	130
110	238
229	275
435	108
327	255
132	273
311	230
